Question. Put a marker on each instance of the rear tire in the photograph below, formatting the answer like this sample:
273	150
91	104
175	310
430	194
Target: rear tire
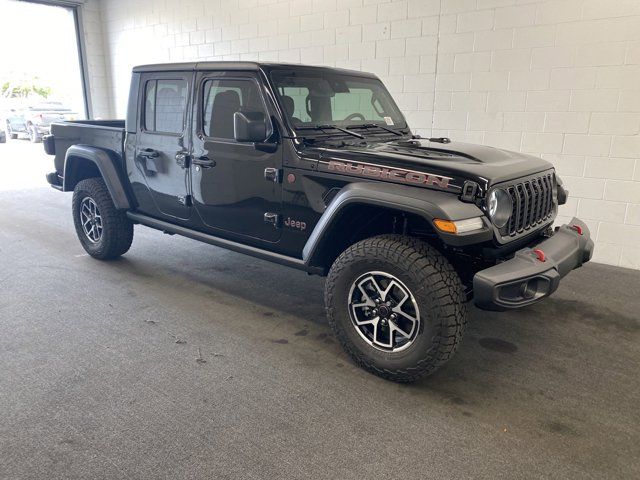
355	297
104	232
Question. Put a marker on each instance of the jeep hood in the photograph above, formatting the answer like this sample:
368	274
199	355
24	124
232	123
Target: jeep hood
459	161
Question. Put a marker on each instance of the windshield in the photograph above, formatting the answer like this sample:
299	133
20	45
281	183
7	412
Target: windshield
312	98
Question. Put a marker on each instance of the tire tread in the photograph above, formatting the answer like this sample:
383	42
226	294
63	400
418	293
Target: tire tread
117	228
432	270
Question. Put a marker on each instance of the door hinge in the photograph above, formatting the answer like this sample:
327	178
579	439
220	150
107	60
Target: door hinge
272	175
185	200
182	159
272	218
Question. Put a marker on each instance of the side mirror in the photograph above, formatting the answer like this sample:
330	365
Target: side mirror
249	126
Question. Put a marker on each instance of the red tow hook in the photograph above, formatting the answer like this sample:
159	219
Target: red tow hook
577	228
540	254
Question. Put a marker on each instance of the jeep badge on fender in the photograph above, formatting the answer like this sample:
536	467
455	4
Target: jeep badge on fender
406	229
296	224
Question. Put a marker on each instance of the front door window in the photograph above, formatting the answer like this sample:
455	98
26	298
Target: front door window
223	98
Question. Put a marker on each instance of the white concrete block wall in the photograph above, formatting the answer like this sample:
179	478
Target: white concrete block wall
559	79
99	78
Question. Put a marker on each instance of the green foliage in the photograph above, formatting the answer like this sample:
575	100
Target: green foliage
23	88
44	92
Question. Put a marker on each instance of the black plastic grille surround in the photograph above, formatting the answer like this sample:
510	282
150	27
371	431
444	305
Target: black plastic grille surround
534	203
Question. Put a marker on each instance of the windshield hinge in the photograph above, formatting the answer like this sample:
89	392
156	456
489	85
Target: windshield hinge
469	190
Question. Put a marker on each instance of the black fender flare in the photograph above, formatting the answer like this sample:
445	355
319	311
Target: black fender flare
429	204
106	161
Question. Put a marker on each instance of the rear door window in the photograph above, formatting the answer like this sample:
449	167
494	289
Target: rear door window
165	105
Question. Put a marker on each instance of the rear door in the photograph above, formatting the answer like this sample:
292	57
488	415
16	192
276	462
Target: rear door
231	185
162	146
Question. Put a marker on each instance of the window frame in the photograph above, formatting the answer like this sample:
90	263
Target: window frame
220	77
143	104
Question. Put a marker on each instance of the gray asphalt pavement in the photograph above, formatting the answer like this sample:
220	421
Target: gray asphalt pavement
182	360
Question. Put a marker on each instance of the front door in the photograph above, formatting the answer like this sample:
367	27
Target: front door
162	144
230	192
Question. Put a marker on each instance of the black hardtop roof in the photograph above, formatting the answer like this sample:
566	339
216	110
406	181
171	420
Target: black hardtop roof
255	66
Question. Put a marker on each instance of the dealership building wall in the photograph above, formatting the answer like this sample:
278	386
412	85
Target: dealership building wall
559	79
96	63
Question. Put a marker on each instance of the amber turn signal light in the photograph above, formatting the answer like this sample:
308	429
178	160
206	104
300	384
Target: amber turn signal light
445	225
458	226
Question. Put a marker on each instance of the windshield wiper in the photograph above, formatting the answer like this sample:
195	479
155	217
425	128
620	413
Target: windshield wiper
329	127
375	125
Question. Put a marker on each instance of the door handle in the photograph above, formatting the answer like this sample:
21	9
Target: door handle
149	153
204	162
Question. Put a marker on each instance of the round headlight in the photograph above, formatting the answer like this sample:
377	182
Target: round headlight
499	206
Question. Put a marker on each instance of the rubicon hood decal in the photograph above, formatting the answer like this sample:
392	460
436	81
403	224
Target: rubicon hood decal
425	164
381	172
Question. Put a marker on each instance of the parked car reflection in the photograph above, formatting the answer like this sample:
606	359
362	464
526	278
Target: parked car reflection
34	121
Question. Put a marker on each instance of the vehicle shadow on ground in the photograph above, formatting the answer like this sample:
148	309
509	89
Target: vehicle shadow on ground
492	340
526	370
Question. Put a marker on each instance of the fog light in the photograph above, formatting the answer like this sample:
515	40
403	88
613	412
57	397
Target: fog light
528	289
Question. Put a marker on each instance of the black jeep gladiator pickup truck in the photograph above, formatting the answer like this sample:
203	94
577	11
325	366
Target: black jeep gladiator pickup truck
316	168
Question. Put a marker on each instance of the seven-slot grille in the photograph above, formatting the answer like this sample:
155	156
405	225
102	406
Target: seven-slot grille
532	203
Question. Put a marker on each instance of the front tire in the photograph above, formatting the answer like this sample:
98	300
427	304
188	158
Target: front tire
34	136
104	232
397	306
10	134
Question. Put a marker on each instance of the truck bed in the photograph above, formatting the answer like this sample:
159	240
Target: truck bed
107	134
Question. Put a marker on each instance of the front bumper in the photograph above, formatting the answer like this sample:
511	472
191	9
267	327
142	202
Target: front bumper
534	272
43	129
